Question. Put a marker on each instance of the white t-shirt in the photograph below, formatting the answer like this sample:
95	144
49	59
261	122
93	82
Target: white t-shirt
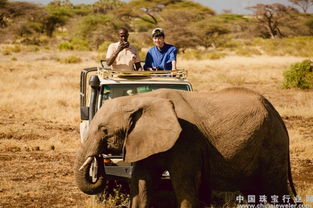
126	59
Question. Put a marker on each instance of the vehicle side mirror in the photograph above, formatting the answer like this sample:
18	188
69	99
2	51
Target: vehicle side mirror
84	113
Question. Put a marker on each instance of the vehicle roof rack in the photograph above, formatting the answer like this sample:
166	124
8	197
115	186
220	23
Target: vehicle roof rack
105	73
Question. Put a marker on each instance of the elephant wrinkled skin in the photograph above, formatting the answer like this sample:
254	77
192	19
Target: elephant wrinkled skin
230	140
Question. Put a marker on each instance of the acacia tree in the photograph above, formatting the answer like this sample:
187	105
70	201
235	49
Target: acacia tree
303	4
3	4
178	20
59	11
272	17
105	6
176	29
145	10
60	3
208	32
9	11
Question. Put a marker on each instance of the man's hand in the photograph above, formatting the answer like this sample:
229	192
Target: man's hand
122	45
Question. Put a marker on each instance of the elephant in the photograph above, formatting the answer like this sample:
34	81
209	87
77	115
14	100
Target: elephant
228	140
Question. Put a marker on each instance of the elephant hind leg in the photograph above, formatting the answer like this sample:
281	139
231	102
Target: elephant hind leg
274	175
269	182
276	186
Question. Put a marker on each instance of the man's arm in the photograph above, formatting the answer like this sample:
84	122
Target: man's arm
120	47
148	62
173	56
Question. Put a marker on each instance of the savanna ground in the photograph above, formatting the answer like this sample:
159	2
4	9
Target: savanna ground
39	120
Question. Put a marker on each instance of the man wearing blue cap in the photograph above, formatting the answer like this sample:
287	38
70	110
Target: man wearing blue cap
162	56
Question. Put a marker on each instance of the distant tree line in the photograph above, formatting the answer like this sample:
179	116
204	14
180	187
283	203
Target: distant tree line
187	24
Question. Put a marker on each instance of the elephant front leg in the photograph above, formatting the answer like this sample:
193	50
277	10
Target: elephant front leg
142	186
187	190
140	197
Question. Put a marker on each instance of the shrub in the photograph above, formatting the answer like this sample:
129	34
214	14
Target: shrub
32	48
68	60
191	54
79	44
231	44
247	51
16	49
66	45
71	60
214	55
299	75
8	50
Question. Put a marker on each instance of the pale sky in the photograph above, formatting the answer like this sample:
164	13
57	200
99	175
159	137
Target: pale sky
236	6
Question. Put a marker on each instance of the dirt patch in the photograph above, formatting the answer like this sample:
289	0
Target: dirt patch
38	179
302	124
36	175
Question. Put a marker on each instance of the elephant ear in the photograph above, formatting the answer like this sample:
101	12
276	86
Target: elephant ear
154	128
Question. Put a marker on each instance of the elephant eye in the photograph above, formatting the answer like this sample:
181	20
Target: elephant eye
105	131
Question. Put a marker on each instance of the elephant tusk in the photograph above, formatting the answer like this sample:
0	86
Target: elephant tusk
88	160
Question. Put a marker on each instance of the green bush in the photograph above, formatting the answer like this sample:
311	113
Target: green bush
80	45
8	50
231	44
190	54
214	55
299	75
74	44
66	45
32	48
71	60
248	51
88	24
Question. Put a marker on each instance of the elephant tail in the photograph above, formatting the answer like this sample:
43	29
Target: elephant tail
206	185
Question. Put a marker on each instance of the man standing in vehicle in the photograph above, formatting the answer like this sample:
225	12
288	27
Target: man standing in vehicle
122	56
162	56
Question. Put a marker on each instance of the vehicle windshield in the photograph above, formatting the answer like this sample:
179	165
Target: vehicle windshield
114	90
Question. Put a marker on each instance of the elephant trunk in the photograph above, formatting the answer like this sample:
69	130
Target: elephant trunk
82	174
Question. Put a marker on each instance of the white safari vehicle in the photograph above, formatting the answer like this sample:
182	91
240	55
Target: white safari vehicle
103	84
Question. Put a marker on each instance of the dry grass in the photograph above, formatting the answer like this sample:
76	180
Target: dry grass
39	119
262	73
